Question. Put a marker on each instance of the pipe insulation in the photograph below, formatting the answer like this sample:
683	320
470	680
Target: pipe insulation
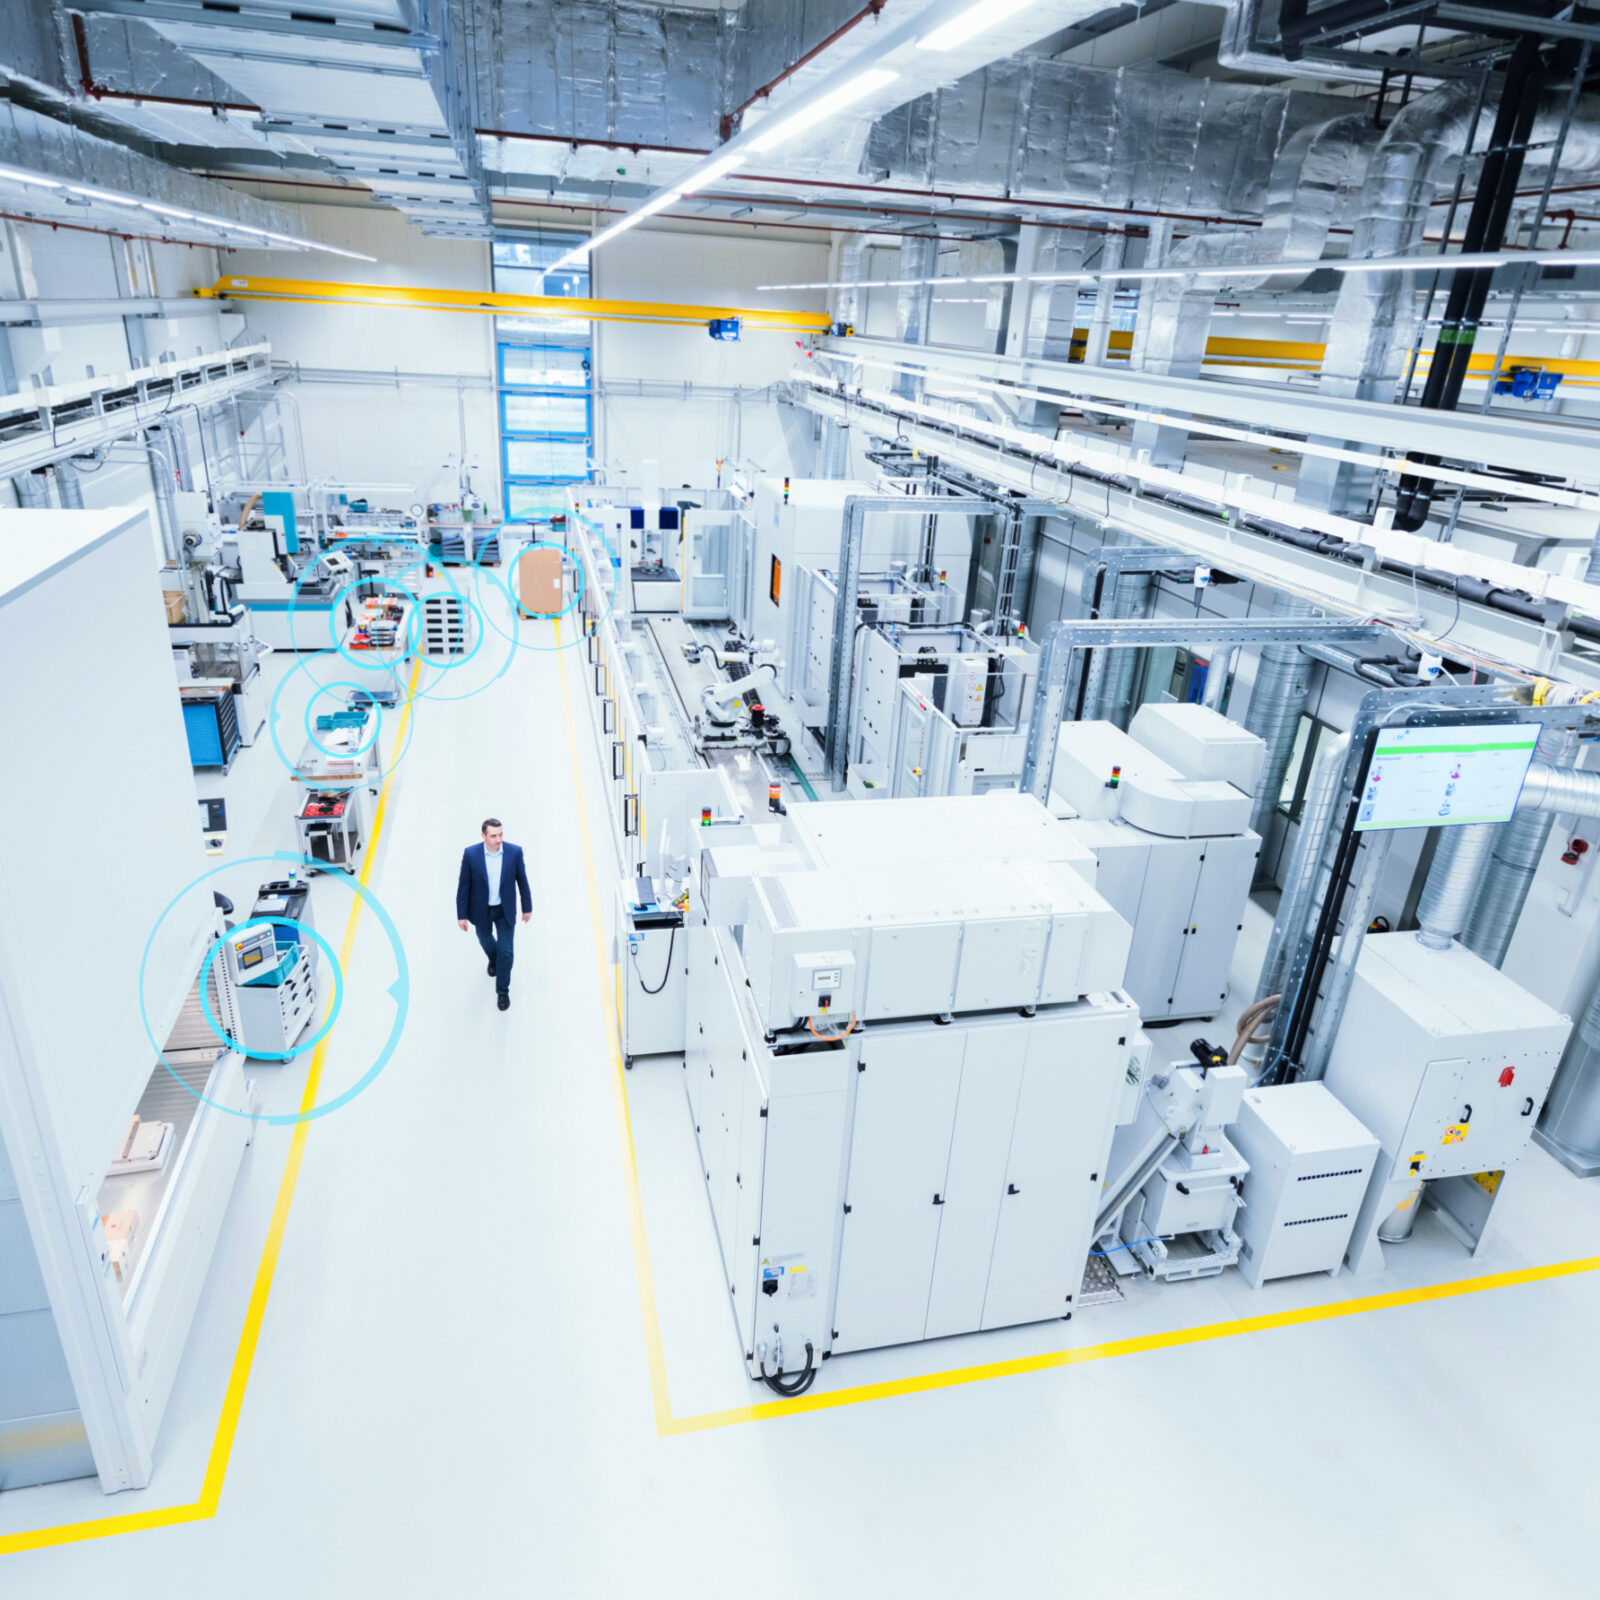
1517	852
1283	681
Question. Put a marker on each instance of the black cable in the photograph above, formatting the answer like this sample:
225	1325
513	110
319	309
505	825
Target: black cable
795	1386
671	939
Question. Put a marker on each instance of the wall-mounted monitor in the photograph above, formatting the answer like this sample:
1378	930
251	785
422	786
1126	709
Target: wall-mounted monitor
1441	777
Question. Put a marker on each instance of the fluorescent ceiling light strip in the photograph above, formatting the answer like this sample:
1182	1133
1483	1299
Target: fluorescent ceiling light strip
11	175
782	127
970	23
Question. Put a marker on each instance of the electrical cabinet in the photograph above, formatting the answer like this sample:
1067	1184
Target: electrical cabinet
912	1182
1448	1062
1310	1162
1184	900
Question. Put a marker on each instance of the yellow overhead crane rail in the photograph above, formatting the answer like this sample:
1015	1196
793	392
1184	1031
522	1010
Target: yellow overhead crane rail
317	292
1220	351
1306	356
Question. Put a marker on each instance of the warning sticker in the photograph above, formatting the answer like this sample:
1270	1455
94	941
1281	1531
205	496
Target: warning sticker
787	1275
1489	1182
1455	1133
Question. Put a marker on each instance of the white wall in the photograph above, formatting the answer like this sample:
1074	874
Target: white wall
436	407
689	431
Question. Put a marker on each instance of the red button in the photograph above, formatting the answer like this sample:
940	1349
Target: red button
1507	1076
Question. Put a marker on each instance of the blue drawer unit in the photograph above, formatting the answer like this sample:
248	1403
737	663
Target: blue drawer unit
212	727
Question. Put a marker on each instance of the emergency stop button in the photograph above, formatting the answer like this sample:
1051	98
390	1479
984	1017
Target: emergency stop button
1506	1076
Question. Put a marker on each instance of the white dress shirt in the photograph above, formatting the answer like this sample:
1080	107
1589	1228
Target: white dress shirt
493	861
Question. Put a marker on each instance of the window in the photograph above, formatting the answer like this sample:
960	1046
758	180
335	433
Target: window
545	367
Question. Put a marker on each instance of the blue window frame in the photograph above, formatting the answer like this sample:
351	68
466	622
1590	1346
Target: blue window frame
544	367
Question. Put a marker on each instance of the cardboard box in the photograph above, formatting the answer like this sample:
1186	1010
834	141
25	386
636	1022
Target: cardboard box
539	582
176	613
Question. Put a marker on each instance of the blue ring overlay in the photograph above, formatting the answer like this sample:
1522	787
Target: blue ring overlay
400	989
271	1055
543	616
274	716
373	707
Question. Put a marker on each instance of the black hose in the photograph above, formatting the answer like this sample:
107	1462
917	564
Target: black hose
672	937
797	1385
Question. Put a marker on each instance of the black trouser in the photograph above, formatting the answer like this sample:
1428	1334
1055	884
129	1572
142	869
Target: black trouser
501	922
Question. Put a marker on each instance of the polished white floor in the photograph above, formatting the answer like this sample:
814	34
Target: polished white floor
451	1395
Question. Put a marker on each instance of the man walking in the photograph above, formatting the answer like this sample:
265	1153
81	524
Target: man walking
486	899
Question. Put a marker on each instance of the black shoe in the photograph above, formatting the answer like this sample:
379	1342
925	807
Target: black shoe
491	969
503	1000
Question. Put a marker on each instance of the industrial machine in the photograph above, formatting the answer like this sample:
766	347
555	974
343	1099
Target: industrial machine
1166	809
1310	1162
903	1077
798	523
1447	1061
224	653
938	710
273	990
1175	1176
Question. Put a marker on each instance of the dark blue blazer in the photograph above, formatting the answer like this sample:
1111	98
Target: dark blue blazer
472	892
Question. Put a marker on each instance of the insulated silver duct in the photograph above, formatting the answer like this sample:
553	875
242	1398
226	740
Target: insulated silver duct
847	298
1569	1127
1312	180
1453	881
1306	879
1239	49
913	307
1137	138
1448	896
1375	318
1098	344
1517	852
1134	597
1053	310
1283	680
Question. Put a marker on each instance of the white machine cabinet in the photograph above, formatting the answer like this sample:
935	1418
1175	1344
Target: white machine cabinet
1448	1062
1165	808
1310	1162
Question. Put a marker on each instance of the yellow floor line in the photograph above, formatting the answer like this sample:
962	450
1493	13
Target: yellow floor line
668	1425
239	1378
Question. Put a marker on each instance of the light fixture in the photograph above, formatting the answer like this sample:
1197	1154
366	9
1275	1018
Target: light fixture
101	194
783	128
11	175
1424	263
970	23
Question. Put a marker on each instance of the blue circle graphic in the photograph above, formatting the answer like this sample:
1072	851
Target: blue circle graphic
372	706
271	1055
400	989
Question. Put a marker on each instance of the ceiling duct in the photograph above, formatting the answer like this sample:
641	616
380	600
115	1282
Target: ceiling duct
1375	320
377	89
1139	138
1313	181
67	155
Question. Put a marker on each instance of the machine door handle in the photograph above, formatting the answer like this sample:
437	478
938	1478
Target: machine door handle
616	759
630	818
588	641
1011	1188
1466	1114
1182	1188
938	1199
608	716
600	677
1527	1109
